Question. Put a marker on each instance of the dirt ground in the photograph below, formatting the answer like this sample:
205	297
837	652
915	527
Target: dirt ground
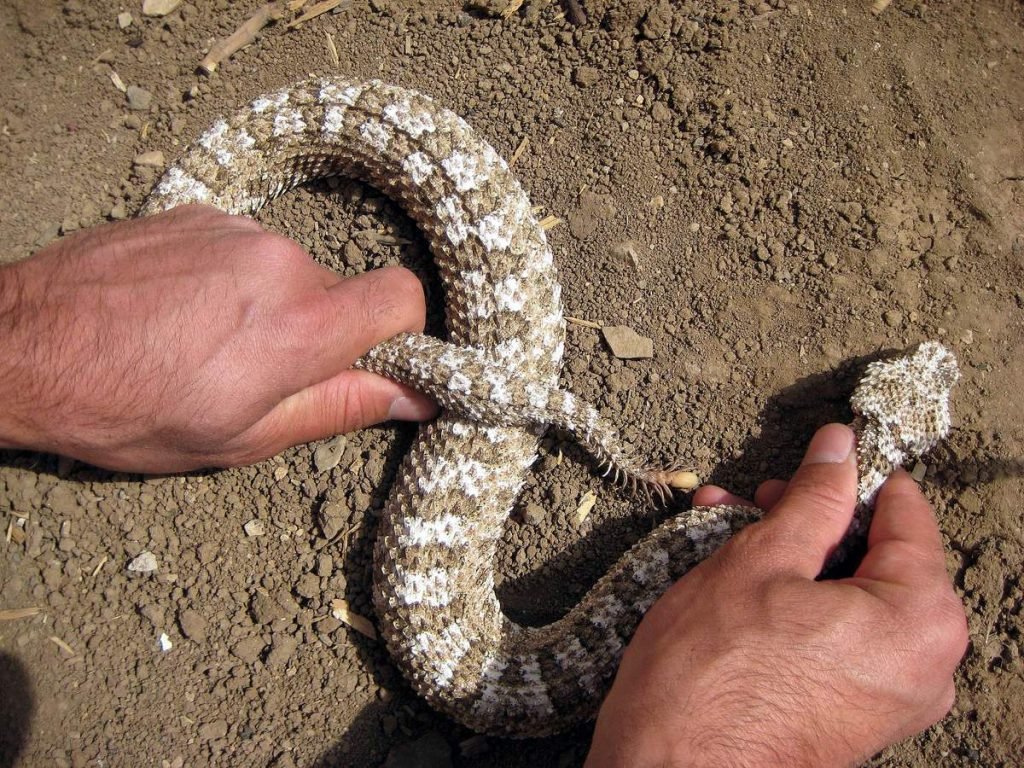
773	192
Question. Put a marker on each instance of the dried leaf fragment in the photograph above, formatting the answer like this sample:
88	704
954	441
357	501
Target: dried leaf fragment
587	502
13	614
344	614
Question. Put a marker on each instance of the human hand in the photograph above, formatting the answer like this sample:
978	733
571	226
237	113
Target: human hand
193	339
749	661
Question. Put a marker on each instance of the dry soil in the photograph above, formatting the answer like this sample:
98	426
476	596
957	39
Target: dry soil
773	192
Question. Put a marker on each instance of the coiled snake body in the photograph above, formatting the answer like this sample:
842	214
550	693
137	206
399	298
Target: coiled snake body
498	380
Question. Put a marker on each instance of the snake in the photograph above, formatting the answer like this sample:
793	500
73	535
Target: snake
497	380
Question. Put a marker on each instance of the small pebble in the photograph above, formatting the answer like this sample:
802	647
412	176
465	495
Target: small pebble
124	20
627	344
159	7
328	455
152	159
144	563
892	317
138	98
254	528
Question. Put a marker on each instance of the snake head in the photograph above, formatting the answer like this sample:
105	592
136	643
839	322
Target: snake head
908	397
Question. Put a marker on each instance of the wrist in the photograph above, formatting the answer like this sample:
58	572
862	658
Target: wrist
749	720
15	427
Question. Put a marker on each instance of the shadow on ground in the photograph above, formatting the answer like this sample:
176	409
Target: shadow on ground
17	705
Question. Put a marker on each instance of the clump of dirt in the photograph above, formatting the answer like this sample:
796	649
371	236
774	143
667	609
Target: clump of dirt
770	191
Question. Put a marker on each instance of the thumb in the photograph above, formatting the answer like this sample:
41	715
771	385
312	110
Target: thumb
351	400
817	506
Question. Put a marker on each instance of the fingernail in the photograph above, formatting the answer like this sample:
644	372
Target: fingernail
832	444
406	408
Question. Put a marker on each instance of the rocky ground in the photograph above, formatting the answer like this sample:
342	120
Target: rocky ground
772	192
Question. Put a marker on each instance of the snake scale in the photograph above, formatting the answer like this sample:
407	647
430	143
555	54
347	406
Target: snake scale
497	379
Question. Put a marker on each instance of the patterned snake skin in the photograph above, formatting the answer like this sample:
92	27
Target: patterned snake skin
498	381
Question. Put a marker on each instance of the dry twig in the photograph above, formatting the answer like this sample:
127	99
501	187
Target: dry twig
519	151
318	9
242	36
332	49
581	322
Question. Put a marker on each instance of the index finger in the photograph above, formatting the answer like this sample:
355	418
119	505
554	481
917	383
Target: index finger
904	541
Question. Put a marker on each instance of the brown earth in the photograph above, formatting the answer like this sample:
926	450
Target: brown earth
771	191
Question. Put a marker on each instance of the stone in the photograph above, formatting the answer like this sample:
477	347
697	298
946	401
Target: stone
328	455
152	159
159	7
627	344
138	98
124	20
254	528
145	562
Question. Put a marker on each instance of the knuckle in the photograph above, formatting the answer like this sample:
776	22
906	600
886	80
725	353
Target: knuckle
767	544
395	292
942	631
955	628
817	493
280	251
353	411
